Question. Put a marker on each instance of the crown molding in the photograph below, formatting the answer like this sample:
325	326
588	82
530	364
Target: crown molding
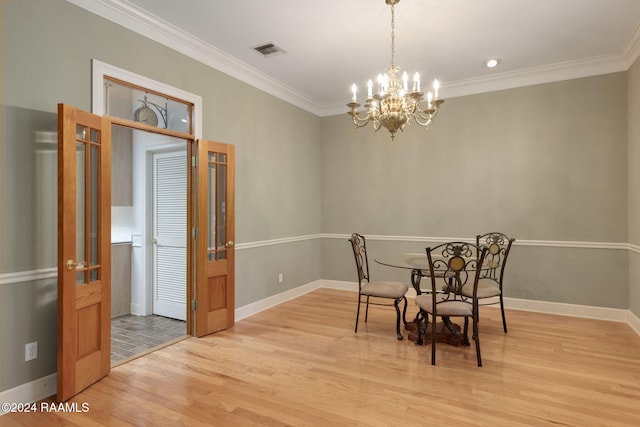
138	20
522	78
590	67
631	51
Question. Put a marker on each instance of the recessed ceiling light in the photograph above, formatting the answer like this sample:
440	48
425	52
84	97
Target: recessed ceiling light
491	63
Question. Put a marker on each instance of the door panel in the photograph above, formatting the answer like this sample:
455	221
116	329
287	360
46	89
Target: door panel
84	251
170	235
215	253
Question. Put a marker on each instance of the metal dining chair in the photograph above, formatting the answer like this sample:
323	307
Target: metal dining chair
379	289
491	281
452	266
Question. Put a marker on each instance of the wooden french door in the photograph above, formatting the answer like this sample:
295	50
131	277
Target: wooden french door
84	251
215	290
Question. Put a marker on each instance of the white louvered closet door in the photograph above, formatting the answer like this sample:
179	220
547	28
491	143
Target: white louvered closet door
170	234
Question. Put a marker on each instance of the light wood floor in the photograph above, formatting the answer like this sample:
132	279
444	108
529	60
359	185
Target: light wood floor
300	364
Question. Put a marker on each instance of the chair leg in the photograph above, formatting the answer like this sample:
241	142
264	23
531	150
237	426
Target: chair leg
395	304
366	312
504	319
421	321
433	340
404	312
466	332
475	332
357	314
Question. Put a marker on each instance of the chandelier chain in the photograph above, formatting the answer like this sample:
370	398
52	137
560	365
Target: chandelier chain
393	35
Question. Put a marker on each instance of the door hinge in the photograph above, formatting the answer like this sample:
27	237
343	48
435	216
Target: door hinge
194	233
194	305
194	162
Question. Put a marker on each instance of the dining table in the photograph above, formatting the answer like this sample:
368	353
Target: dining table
418	264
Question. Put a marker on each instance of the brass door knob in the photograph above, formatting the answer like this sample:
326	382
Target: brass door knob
229	244
71	264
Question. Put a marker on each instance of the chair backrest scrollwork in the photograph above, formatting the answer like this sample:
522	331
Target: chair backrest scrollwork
359	246
454	264
498	247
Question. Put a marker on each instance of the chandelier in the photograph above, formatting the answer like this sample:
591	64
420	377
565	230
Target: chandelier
393	106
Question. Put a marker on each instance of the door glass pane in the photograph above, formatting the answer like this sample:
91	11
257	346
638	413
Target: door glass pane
217	237
211	208
81	132
93	208
147	107
80	213
95	136
221	209
87	204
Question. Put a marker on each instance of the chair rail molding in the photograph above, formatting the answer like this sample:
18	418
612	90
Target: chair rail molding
540	243
52	272
634	248
28	276
279	241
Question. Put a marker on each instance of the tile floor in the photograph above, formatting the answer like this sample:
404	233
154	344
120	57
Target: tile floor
131	335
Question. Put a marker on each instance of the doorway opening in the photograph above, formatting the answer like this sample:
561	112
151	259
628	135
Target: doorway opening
149	241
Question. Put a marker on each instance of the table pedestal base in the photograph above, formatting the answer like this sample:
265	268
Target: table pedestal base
443	334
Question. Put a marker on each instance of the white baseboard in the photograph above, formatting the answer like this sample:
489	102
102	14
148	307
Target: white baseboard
600	313
634	322
336	284
31	391
258	306
46	386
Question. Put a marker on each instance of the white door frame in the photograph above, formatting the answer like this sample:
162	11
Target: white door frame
141	253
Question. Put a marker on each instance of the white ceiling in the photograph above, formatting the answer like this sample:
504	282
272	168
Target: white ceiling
330	44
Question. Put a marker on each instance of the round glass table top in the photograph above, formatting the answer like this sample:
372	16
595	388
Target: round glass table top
411	261
418	261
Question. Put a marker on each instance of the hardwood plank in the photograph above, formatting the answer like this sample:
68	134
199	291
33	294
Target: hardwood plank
301	364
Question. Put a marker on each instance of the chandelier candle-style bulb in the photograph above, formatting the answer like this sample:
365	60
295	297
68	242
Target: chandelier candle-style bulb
394	106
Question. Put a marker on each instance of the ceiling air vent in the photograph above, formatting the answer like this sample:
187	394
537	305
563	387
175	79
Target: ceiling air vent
269	49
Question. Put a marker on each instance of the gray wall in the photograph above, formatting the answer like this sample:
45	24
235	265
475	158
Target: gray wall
546	162
541	163
633	156
47	60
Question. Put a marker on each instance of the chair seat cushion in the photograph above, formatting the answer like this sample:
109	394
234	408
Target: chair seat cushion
446	308
385	289
487	288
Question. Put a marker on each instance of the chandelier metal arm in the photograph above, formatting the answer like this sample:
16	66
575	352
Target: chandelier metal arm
362	118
